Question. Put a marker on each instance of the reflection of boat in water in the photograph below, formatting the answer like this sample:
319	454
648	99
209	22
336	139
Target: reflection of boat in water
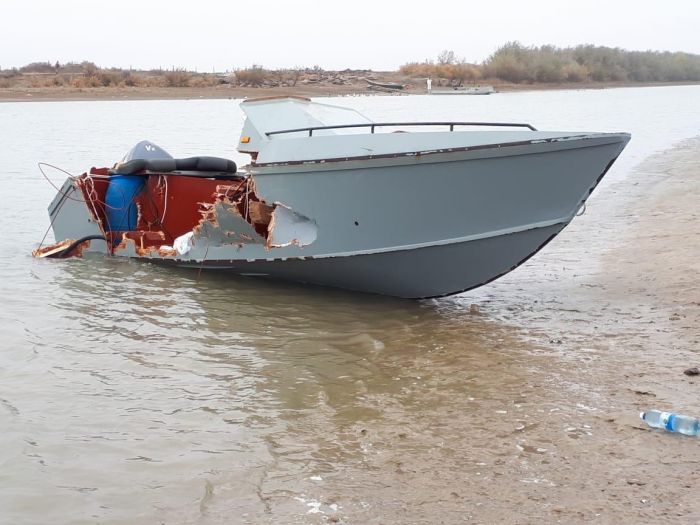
333	198
469	90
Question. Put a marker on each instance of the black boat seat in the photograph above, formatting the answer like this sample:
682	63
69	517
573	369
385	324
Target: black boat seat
206	165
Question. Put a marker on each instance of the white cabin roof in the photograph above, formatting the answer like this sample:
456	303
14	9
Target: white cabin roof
264	115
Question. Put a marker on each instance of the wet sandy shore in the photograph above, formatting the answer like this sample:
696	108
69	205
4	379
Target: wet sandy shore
62	93
162	93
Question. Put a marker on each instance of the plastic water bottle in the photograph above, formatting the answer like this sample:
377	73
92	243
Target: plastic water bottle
690	426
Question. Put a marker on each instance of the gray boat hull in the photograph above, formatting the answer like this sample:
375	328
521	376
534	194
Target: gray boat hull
431	271
415	225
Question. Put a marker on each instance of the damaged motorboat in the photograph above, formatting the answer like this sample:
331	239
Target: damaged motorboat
330	197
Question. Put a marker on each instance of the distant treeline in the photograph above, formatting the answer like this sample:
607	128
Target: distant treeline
516	63
88	75
512	62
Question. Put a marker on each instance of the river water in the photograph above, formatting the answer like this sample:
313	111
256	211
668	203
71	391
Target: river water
131	393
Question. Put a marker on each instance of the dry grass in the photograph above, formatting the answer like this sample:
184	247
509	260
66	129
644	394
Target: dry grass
88	75
252	76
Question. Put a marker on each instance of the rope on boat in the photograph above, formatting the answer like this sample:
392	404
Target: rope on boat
71	176
91	194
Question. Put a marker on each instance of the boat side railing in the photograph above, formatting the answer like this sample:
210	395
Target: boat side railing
374	125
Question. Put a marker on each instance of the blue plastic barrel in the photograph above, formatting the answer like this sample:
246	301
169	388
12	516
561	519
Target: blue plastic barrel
121	211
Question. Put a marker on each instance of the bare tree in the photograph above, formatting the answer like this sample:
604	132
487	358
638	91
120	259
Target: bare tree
295	74
447	57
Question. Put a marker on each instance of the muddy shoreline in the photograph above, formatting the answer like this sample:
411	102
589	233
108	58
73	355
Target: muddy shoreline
57	94
621	339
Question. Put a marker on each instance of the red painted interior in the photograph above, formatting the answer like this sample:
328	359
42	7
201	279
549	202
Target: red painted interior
158	224
183	212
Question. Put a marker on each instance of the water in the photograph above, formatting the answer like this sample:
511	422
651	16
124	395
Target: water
131	393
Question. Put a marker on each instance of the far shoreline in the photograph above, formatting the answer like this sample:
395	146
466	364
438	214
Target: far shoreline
62	94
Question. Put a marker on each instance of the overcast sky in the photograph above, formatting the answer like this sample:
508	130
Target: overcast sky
375	34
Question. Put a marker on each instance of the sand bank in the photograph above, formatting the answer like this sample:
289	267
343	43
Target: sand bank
27	94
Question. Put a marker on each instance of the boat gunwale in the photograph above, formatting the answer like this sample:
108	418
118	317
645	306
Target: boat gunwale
618	137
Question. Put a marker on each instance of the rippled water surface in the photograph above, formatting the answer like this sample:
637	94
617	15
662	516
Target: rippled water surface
131	393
